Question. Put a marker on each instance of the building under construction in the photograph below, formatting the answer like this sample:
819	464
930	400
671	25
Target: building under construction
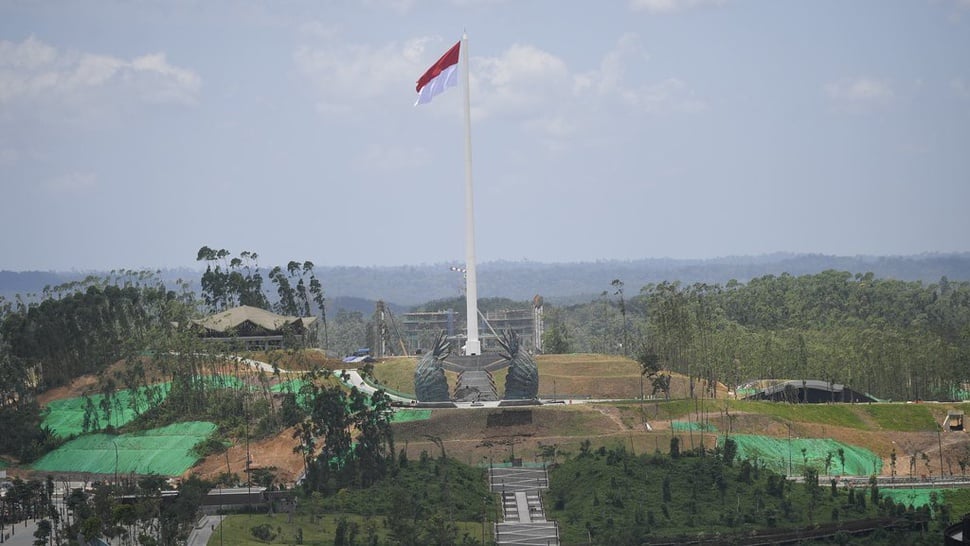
414	333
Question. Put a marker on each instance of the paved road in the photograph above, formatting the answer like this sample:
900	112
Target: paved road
204	528
21	534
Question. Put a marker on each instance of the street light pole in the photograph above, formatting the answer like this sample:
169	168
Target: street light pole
116	461
939	439
789	449
483	518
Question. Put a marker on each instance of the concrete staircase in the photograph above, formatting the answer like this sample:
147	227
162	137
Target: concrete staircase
524	520
475	383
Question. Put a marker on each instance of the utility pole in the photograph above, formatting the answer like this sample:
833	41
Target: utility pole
939	439
789	449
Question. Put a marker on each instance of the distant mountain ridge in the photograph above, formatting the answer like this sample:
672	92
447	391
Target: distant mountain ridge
557	282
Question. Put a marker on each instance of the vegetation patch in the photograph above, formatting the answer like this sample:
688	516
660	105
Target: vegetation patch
298	529
610	496
685	426
423	500
913	497
824	414
304	528
901	417
958	499
295	360
408	415
396	373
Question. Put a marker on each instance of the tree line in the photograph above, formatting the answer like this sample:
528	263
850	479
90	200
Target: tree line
133	512
901	340
86	326
610	495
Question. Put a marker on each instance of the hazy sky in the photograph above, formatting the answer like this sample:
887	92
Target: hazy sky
134	132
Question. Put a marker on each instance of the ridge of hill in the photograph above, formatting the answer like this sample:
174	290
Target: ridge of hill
408	285
904	438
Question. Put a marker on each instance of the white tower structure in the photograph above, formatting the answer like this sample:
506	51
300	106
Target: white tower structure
473	345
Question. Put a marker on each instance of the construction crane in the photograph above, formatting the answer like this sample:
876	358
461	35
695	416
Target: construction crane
383	316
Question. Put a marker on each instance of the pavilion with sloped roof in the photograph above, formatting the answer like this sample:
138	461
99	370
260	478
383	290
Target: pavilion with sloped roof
255	328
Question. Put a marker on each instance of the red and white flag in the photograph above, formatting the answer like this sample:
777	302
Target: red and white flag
442	75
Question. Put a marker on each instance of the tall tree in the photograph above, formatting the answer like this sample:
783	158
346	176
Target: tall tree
230	281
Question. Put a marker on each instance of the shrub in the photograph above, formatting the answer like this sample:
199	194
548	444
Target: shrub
263	532
209	446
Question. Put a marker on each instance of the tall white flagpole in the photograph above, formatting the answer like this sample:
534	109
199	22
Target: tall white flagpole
473	346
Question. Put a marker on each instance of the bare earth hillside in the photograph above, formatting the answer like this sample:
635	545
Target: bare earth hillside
546	432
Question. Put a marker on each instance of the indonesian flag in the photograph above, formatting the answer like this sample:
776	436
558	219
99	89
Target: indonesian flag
442	75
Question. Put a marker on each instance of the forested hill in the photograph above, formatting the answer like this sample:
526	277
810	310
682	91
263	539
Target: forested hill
561	282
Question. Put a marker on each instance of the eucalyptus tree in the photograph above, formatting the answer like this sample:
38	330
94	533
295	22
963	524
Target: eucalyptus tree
555	339
333	415
299	291
670	328
231	281
82	330
348	332
651	368
617	284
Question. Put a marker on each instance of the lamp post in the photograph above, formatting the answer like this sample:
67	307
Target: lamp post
464	273
939	439
115	444
789	449
892	464
484	516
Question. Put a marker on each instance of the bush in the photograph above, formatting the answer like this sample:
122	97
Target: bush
209	446
263	532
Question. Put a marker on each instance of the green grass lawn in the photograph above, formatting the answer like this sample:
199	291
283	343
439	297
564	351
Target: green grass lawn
397	373
959	499
890	417
901	417
839	415
317	530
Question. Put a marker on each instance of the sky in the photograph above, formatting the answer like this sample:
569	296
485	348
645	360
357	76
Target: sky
132	133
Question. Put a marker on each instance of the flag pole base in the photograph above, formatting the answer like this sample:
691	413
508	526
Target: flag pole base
472	347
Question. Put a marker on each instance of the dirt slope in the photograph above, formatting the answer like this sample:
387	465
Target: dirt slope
275	454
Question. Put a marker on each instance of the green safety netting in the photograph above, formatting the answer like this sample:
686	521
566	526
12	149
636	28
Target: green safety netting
290	385
685	426
911	497
166	451
960	394
294	386
221	381
3	464
778	453
400	415
66	417
405	415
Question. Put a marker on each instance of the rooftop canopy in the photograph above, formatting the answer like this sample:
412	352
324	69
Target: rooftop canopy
252	321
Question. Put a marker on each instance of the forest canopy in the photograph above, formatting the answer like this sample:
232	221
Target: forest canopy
899	340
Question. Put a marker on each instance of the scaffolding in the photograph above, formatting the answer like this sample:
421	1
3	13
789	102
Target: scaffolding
418	330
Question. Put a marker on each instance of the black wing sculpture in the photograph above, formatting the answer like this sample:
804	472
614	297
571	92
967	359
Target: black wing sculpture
430	384
522	382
